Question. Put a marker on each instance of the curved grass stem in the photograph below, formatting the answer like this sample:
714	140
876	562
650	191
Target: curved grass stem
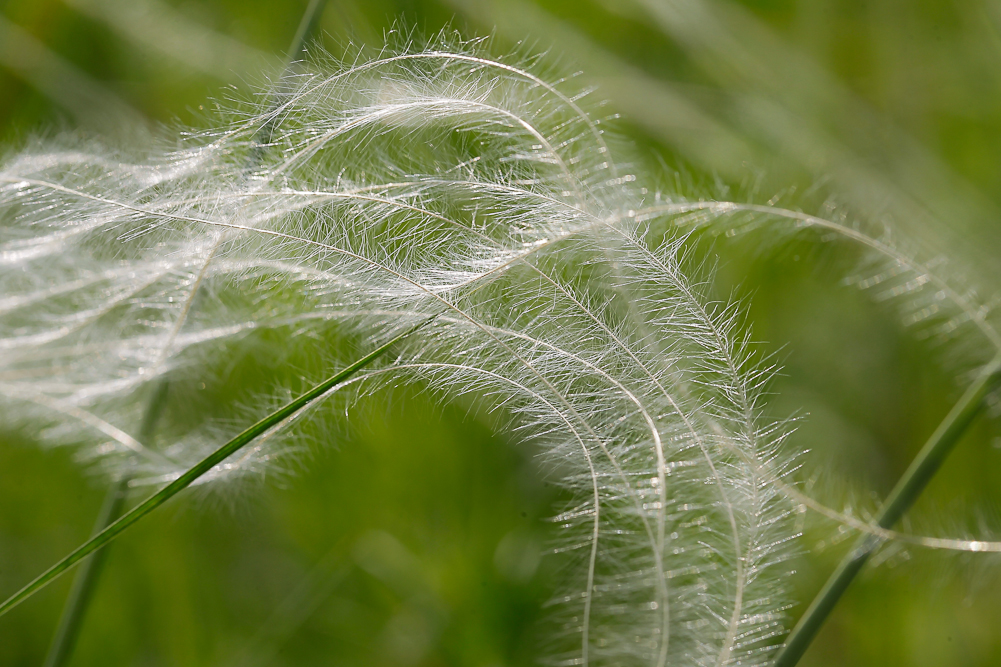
308	26
901	498
85	581
205	465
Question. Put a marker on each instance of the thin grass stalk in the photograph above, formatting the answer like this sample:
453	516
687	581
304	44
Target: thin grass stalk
901	498
199	469
307	28
86	580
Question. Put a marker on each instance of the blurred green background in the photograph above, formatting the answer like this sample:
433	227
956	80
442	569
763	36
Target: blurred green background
417	537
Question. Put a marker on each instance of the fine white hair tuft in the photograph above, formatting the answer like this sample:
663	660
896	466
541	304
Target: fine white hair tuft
372	195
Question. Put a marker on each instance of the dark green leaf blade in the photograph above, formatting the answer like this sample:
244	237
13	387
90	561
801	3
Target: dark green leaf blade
199	469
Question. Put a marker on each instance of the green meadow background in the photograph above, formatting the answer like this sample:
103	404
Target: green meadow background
418	536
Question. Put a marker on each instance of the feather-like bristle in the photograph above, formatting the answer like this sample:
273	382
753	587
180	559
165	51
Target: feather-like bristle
423	181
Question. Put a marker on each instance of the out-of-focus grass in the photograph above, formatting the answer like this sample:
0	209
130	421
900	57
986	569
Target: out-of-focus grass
414	539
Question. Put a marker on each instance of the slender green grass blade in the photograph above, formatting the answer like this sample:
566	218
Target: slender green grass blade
307	27
86	579
904	494
85	582
199	469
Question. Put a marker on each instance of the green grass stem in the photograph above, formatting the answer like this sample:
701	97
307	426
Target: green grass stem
85	582
901	498
199	469
86	579
307	28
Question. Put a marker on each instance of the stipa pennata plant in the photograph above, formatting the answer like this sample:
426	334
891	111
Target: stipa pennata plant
474	206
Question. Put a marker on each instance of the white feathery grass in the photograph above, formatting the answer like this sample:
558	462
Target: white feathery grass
396	187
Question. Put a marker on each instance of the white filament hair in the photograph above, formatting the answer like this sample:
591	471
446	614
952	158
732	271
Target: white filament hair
421	182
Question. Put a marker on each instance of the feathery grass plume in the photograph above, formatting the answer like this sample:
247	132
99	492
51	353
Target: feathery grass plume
396	186
929	294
